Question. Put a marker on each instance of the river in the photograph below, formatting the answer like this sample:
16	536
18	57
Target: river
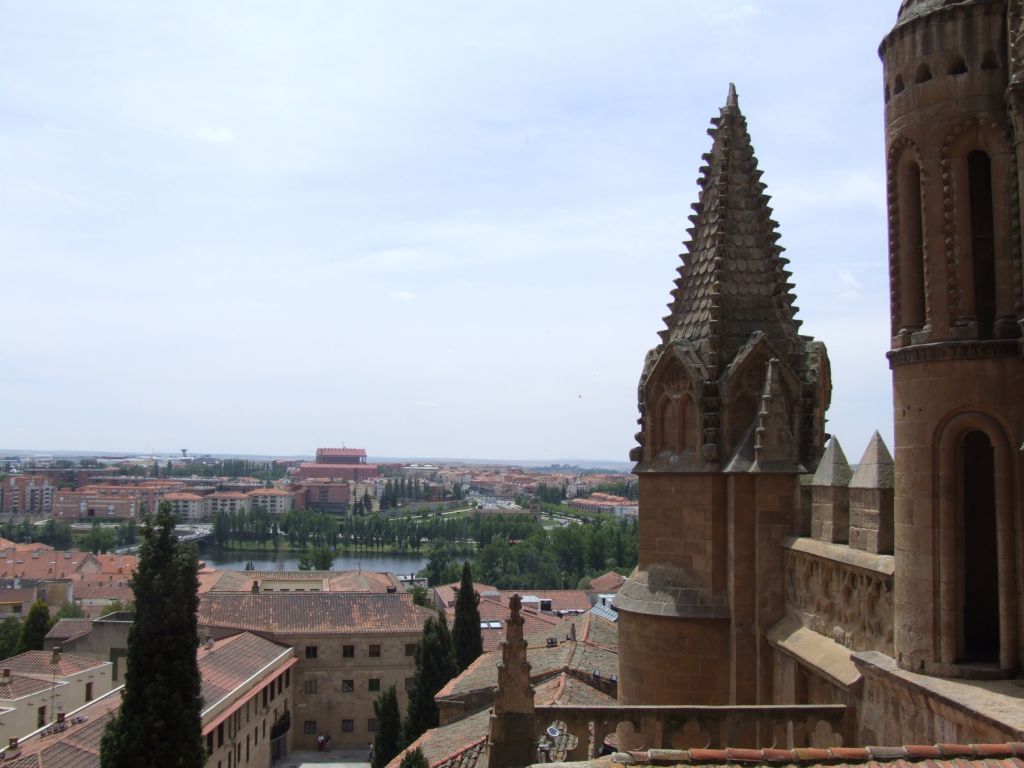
289	561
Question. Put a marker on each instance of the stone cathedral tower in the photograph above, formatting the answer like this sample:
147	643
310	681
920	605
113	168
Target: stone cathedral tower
954	116
732	405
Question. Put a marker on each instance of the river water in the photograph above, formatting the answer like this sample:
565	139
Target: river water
268	560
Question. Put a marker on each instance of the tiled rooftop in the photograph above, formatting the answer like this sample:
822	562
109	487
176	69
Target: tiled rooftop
545	662
456	745
607	582
937	756
19	685
312	613
78	746
40	663
233	660
66	630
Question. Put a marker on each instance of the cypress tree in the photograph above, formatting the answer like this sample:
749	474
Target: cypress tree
466	633
435	666
414	759
158	724
37	624
387	742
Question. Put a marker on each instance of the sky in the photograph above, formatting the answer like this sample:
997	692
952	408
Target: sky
443	229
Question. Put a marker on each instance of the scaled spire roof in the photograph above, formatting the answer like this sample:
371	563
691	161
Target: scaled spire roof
733	279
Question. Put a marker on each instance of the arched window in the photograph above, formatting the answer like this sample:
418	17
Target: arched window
957	66
911	245
924	73
980	563
897	86
979	184
668	426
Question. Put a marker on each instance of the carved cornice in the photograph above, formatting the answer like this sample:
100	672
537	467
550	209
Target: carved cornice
955	350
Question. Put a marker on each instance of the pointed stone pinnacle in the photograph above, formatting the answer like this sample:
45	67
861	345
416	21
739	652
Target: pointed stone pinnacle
875	469
833	469
731	101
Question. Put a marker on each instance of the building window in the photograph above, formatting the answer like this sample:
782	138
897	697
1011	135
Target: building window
310	651
41	716
310	686
374	684
347	726
410	649
309	727
374	651
220	735
287	678
347	686
371	725
88	691
348	651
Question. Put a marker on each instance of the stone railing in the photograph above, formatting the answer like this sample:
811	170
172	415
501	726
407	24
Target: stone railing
579	733
842	593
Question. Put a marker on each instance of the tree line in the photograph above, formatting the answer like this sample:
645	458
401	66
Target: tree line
562	558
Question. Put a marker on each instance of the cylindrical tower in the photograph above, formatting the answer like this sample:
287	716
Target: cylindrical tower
956	309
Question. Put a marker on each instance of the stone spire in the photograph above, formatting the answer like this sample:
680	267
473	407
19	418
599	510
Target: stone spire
733	280
830	505
511	739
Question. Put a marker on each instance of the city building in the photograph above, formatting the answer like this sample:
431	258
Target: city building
246	718
38	688
337	464
27	494
350	647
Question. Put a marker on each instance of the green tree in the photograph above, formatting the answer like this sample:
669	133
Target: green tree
36	625
158	723
388	740
435	666
466	631
414	759
420	595
10	632
69	611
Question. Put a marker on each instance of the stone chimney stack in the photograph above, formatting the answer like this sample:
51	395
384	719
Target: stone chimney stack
830	488
871	500
511	741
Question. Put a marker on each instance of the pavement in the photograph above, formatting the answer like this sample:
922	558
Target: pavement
336	758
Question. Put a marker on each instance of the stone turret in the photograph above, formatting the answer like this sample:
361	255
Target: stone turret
732	311
511	739
954	116
732	411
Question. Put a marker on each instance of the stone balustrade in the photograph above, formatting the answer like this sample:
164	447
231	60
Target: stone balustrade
582	730
842	593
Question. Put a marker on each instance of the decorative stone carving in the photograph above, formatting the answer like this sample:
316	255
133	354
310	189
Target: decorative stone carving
849	604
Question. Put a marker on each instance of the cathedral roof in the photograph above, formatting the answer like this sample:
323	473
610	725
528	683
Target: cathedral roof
733	280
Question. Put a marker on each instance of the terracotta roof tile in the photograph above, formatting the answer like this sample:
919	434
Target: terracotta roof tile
19	686
40	663
607	582
66	630
456	745
233	660
312	613
958	756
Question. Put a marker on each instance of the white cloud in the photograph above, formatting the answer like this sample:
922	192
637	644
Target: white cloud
218	134
849	286
403	295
